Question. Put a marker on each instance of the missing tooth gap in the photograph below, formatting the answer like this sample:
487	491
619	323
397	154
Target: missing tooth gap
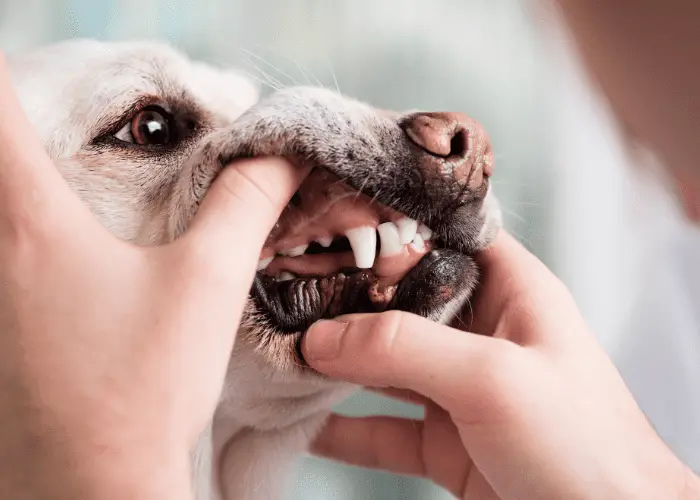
296	200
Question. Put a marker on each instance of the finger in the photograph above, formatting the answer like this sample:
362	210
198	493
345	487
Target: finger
406	351
519	297
507	263
387	443
243	204
30	185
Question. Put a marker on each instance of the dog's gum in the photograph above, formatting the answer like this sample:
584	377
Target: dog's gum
392	269
326	207
312	265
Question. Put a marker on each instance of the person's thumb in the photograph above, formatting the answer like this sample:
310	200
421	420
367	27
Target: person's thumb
243	205
404	351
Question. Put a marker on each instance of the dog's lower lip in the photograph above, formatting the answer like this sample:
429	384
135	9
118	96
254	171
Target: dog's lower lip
294	305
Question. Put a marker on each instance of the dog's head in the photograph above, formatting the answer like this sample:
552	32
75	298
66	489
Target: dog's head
388	218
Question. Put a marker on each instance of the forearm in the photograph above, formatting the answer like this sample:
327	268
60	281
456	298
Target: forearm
47	466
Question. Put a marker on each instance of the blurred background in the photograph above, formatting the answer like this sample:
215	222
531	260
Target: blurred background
574	192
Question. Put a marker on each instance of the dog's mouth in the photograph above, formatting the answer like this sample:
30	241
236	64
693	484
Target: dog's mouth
336	251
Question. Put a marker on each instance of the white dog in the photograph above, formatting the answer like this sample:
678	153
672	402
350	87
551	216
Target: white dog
386	220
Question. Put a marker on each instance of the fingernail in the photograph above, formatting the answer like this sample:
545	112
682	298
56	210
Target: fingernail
323	340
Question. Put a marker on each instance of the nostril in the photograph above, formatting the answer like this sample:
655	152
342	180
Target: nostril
439	134
459	144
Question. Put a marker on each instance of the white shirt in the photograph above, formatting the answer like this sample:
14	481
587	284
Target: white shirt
658	353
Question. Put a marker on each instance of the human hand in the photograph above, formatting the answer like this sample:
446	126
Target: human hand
112	356
532	408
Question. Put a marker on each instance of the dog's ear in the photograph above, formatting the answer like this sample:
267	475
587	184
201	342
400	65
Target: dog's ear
241	91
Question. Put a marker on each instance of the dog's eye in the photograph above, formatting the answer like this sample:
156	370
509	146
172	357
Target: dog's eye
150	126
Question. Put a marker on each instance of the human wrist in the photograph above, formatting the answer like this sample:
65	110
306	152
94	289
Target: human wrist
47	464
140	473
124	463
691	486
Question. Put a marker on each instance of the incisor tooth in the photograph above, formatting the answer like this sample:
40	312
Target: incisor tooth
263	263
418	243
390	242
325	242
425	232
295	252
407	230
363	241
286	276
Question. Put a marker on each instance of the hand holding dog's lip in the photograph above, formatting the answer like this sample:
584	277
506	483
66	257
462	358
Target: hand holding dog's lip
532	392
119	350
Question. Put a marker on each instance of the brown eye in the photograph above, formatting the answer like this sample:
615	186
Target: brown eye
150	126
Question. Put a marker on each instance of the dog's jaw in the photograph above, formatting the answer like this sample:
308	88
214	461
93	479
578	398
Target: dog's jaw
147	199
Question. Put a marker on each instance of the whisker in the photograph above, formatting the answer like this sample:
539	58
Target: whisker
301	70
258	79
335	79
274	82
293	61
318	82
364	183
249	60
279	70
513	214
374	198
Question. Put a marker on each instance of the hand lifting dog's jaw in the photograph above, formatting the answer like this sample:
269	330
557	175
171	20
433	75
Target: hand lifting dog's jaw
388	218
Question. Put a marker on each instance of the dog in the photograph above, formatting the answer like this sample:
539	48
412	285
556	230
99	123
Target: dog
395	205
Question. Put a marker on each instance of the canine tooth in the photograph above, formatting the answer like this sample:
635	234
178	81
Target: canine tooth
407	230
325	242
286	276
363	241
425	232
263	263
389	239
418	243
295	252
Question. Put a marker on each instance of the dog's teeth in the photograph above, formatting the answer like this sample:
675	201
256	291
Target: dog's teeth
363	241
286	276
295	252
407	230
418	243
325	242
425	232
263	263
390	242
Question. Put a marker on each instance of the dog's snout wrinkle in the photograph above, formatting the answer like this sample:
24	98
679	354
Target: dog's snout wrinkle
451	145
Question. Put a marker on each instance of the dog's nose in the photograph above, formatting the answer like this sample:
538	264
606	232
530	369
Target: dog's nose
453	148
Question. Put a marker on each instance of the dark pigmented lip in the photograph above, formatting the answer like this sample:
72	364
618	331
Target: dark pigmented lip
296	304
